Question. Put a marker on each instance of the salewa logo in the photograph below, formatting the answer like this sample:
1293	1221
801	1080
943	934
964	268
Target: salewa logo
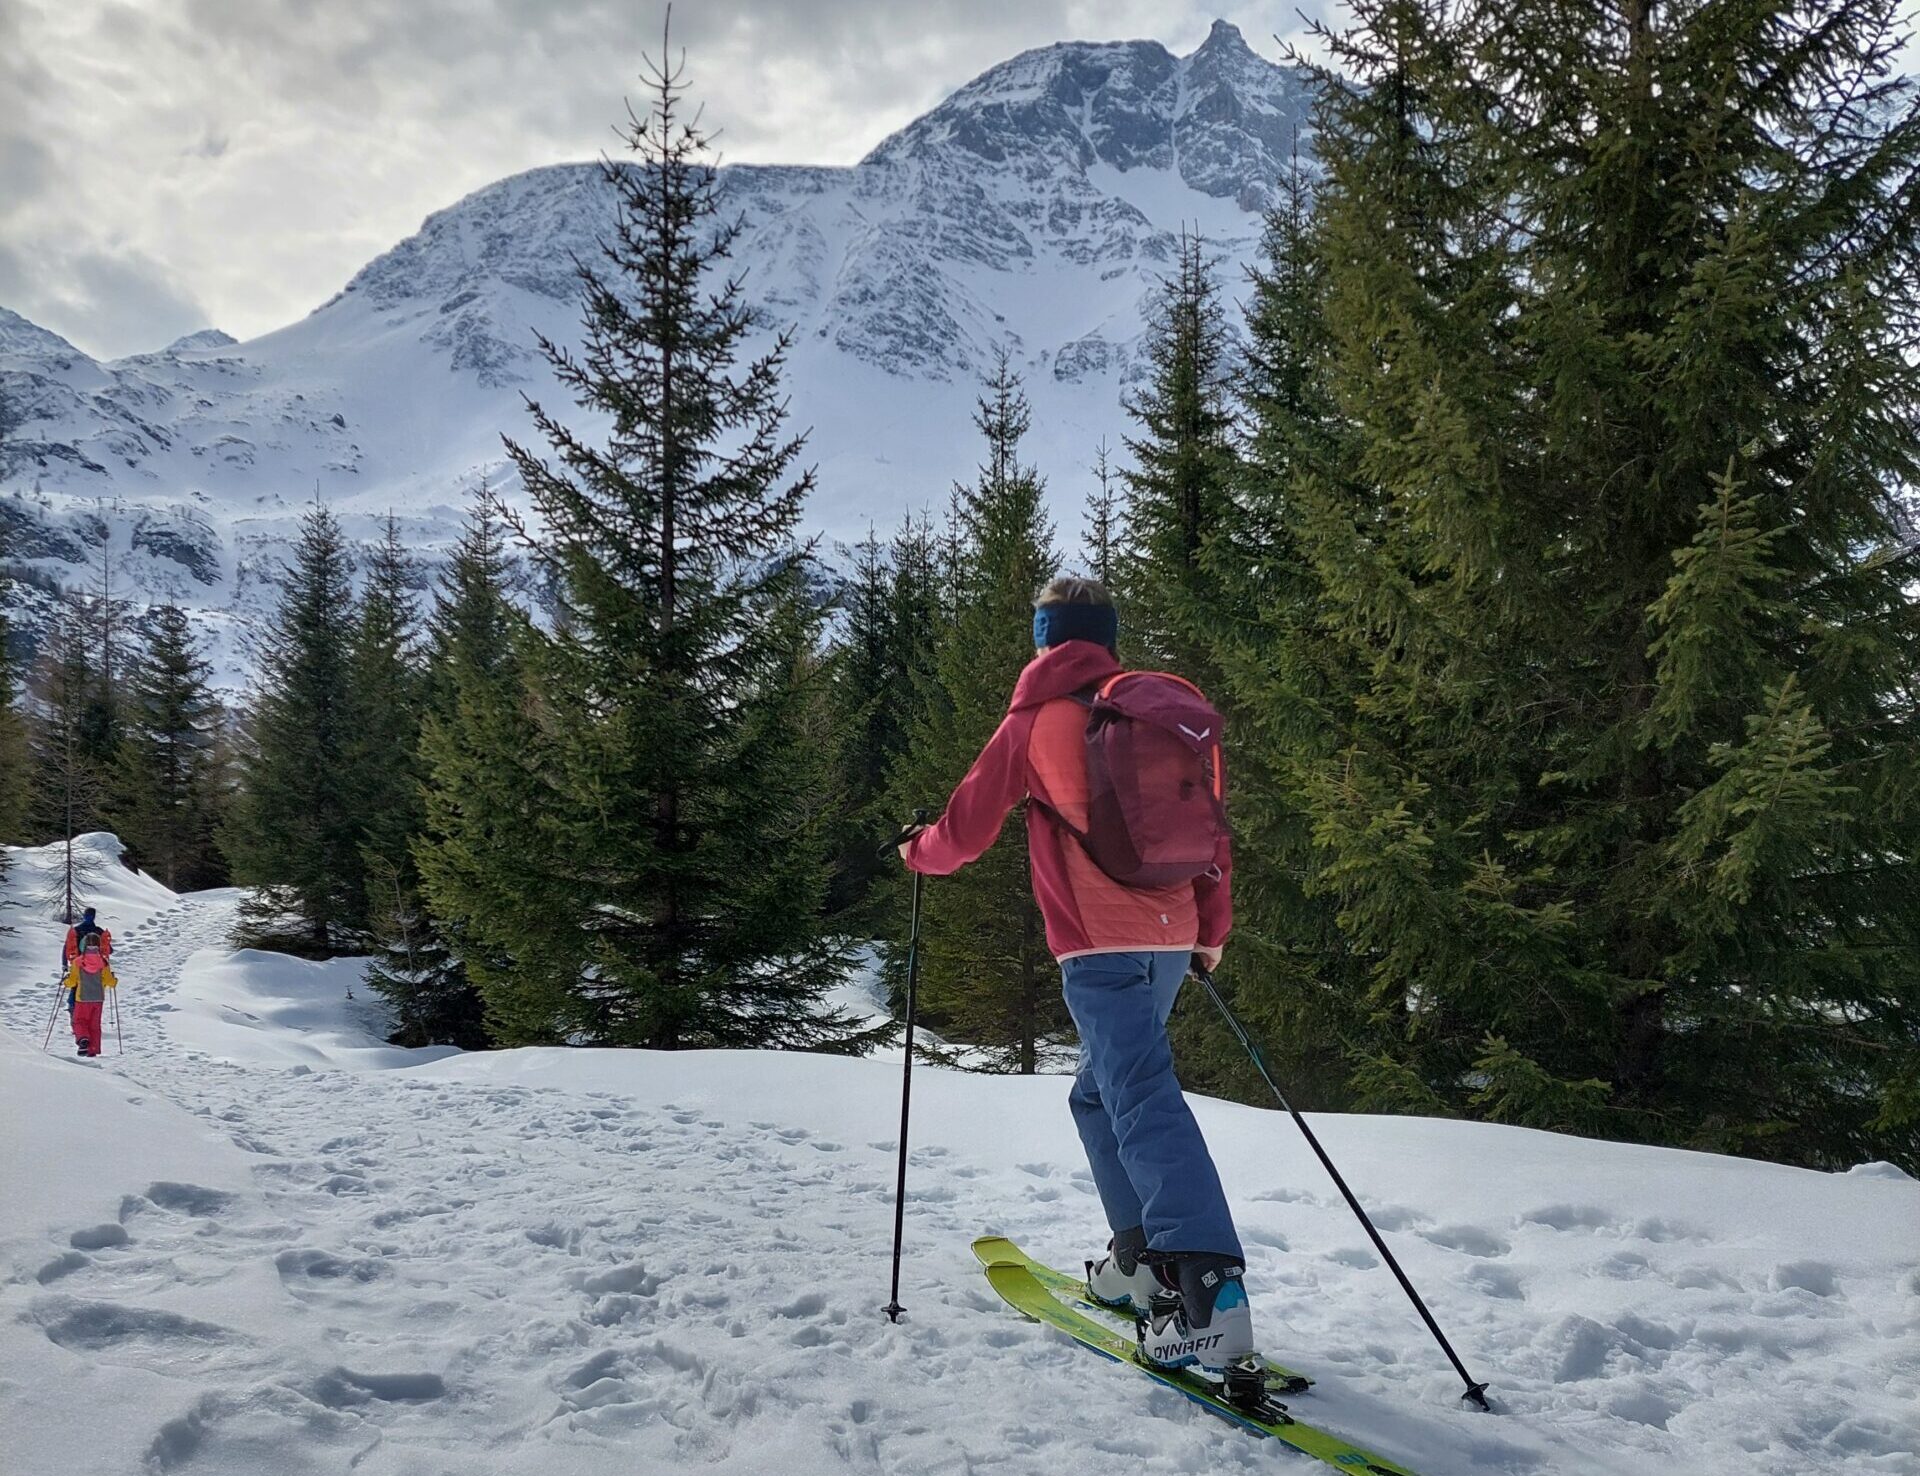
1200	737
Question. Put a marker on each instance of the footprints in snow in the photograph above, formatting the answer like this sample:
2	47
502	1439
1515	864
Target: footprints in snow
98	1237
1468	1240
297	1268
111	1325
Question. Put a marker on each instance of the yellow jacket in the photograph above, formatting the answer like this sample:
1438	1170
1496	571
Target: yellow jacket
75	975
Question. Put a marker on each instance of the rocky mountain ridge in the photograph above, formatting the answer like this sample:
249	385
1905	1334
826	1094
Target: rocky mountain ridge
1034	211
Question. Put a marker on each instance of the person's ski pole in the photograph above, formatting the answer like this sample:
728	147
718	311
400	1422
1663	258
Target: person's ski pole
1476	1393
893	1308
119	1041
58	990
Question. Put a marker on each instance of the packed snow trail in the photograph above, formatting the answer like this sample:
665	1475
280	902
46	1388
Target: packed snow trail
242	1247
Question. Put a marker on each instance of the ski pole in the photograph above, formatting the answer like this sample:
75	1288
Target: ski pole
1475	1394
893	1307
58	990
119	1041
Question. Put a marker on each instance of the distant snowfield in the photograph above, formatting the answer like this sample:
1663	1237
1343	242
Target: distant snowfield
263	1241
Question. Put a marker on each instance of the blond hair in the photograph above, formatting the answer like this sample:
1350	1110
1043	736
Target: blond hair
1072	589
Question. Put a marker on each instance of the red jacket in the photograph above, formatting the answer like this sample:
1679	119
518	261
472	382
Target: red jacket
1039	749
72	948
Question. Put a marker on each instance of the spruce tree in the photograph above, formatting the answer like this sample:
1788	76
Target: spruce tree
1605	628
15	769
382	749
485	794
1177	489
684	821
167	775
1297	982
987	977
865	732
65	786
15	774
916	625
294	833
1106	529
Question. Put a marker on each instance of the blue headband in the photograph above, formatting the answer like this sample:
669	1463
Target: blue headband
1053	624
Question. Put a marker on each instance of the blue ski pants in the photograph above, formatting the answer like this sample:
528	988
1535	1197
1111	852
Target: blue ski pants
1150	1164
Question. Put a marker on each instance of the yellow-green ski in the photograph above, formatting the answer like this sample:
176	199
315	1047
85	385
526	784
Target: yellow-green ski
1012	1276
1072	1290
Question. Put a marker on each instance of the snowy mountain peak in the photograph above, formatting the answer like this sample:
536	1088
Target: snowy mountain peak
24	339
1222	117
1035	211
206	338
1224	37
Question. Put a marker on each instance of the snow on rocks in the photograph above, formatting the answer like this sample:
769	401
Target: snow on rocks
273	1243
1035	211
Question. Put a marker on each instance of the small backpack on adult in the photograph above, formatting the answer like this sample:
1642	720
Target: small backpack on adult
1155	815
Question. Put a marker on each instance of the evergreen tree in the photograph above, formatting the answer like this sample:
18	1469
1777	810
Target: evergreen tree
14	765
916	627
415	970
985	972
485	788
294	831
166	773
866	736
1106	530
65	787
683	818
951	558
383	740
1298	983
15	769
1603	635
100	621
1177	490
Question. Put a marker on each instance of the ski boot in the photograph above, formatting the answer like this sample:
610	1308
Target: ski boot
1200	1319
1118	1279
1199	1315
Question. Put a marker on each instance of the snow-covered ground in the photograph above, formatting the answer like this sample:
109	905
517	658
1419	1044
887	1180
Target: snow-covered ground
260	1241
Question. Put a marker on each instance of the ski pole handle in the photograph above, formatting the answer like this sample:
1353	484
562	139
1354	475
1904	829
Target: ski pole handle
907	833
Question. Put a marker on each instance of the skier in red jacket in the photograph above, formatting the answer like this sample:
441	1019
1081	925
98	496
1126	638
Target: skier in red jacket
1124	953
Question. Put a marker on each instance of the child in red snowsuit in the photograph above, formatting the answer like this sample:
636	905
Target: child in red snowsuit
88	947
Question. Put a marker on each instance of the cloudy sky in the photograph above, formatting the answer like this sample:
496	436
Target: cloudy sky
168	165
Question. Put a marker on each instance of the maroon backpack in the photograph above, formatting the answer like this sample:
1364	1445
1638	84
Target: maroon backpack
1155	815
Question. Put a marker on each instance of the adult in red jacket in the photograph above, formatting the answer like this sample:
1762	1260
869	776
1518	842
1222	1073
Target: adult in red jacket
79	930
1123	953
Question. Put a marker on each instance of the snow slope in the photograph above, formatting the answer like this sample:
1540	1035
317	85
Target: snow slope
261	1241
1035	210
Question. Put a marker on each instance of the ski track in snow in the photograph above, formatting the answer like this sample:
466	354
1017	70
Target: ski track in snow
414	1273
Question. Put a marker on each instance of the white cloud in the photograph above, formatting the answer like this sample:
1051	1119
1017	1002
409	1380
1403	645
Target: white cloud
171	163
